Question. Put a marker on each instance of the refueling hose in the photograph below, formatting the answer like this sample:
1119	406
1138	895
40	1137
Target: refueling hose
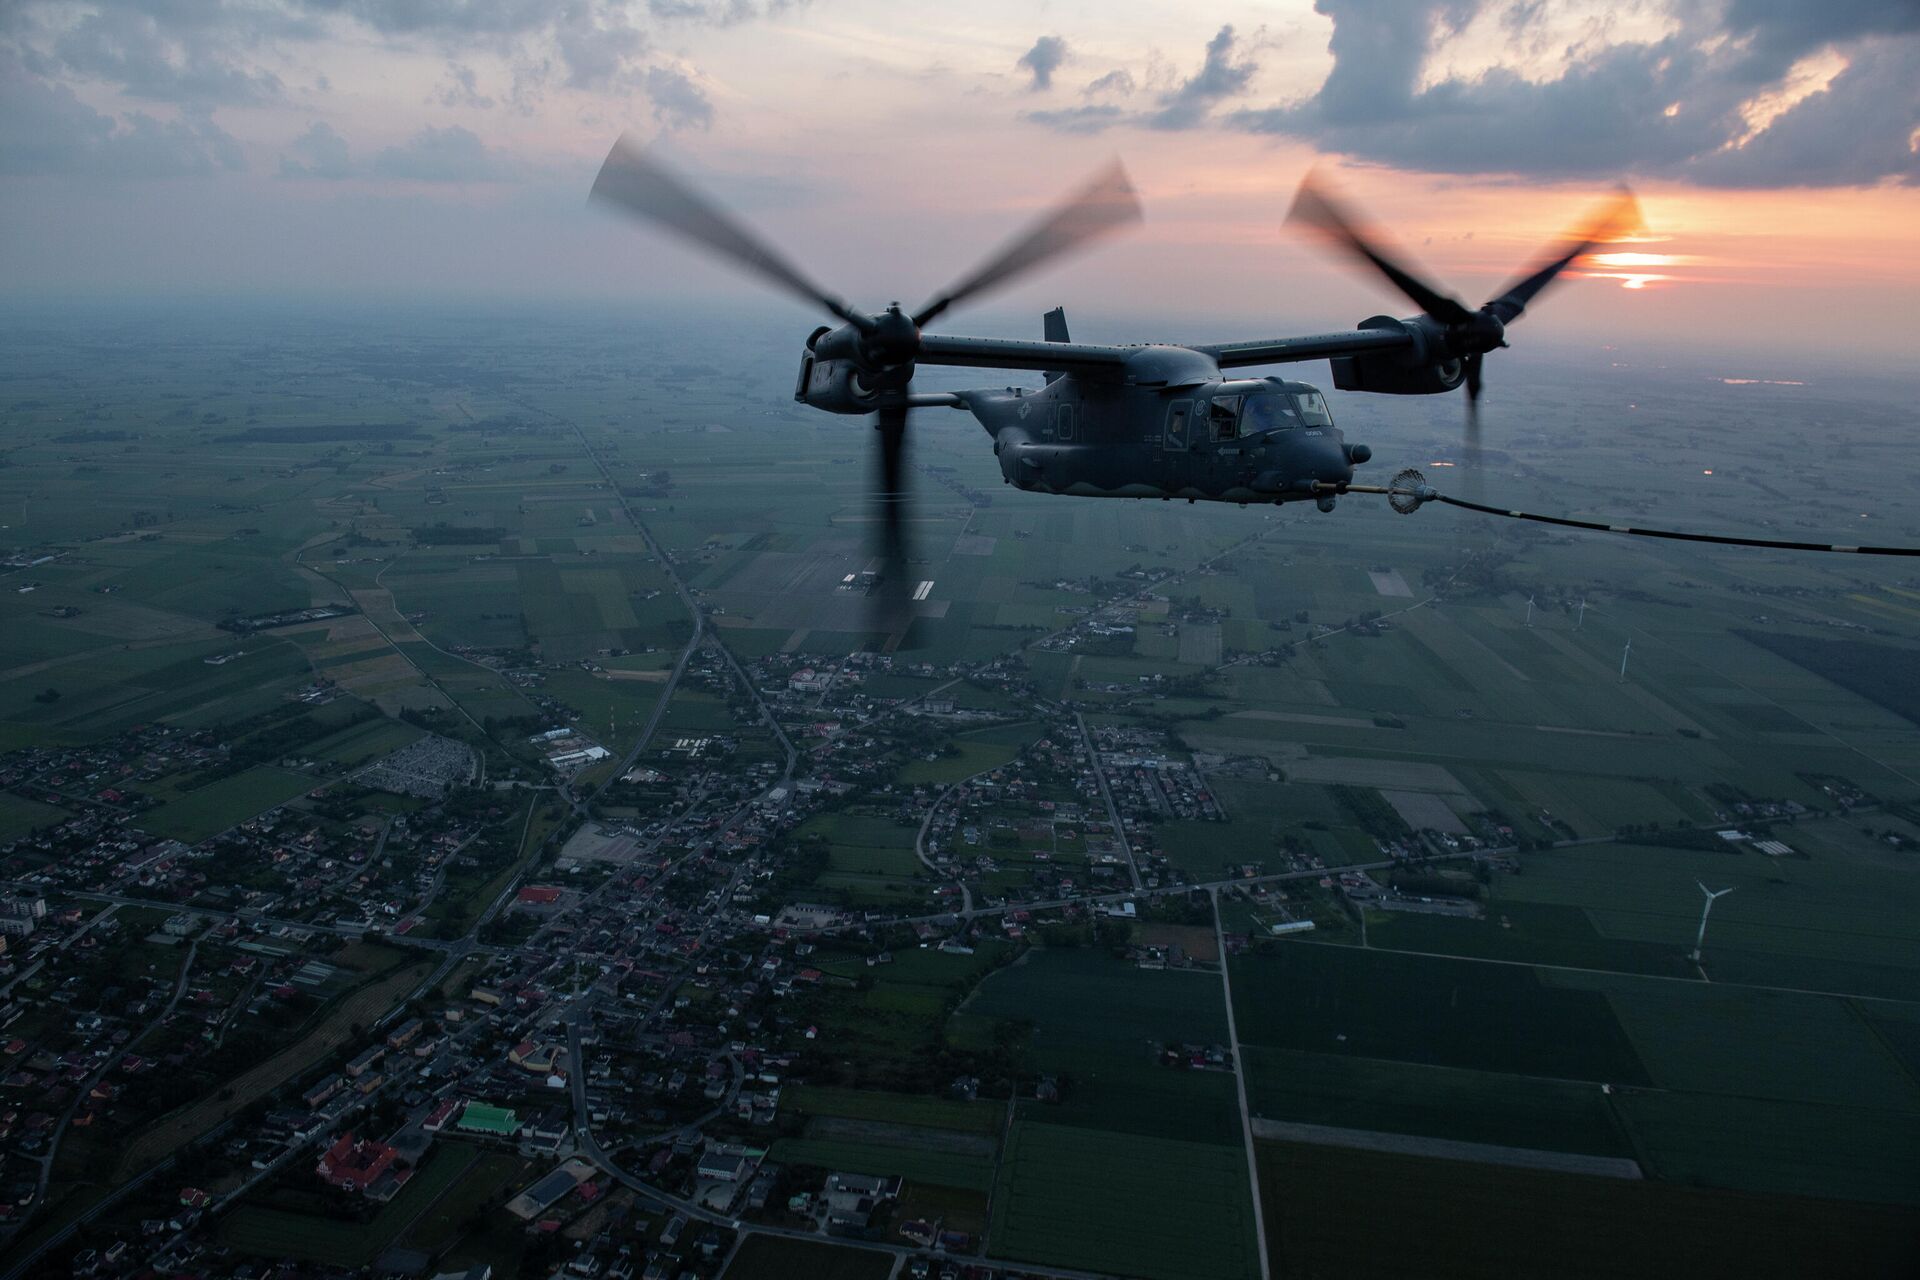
1409	490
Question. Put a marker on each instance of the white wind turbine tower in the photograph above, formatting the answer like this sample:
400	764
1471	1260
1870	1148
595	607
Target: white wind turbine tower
1583	614
1529	610
1712	897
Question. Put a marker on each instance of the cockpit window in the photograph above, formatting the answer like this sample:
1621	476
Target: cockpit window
1223	417
1268	413
1313	408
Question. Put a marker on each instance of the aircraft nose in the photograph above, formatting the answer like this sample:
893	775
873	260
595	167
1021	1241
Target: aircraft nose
1332	463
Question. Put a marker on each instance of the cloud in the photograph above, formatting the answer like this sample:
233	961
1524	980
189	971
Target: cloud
46	130
1091	118
320	152
678	103
452	154
207	53
1680	106
718	13
600	49
462	89
1219	78
1186	106
1043	60
1859	130
176	53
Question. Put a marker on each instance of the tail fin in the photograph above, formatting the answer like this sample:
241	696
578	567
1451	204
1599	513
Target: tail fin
1055	330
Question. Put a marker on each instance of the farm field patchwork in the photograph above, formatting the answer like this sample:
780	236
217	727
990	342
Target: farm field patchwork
1327	1210
1122	1203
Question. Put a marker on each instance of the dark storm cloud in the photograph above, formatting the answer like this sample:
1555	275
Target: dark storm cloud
1857	131
678	102
1668	107
46	130
1219	78
1778	32
1042	61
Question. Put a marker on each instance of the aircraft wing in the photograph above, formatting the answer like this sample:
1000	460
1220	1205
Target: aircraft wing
1092	358
1316	346
1020	353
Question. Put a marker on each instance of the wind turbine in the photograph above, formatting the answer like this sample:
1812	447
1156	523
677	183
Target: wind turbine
1583	614
1712	897
1529	610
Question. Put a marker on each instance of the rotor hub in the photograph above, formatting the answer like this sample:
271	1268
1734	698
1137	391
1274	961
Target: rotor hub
1481	333
893	340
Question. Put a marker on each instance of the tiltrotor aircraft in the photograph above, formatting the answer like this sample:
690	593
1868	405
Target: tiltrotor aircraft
1146	421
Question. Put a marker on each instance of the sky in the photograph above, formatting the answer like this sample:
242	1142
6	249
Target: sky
382	150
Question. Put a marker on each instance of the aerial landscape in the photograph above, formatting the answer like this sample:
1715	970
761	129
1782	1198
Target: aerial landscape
493	782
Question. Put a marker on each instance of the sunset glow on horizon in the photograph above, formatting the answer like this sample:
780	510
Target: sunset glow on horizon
452	153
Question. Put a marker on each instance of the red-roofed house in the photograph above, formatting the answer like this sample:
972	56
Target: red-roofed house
541	895
355	1165
441	1114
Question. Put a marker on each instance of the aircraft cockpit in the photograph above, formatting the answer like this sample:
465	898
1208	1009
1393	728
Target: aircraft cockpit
1237	410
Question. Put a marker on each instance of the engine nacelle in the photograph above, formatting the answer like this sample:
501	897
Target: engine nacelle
1420	370
832	385
842	372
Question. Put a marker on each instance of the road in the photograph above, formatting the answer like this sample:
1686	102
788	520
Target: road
1240	1085
87	1086
1106	796
926	823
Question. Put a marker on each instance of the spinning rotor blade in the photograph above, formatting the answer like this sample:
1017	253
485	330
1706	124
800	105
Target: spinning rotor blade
889	607
1617	217
891	423
1105	205
1314	208
639	185
1473	401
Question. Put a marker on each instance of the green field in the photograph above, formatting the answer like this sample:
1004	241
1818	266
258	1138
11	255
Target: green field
1791	1148
1326	1210
1427	1009
773	1258
869	859
975	752
893	1108
279	1233
1125	1204
1432	1101
219	805
363	742
916	1164
19	815
1099	1024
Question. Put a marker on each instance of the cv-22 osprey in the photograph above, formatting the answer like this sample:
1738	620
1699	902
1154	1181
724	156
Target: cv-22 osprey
1141	421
